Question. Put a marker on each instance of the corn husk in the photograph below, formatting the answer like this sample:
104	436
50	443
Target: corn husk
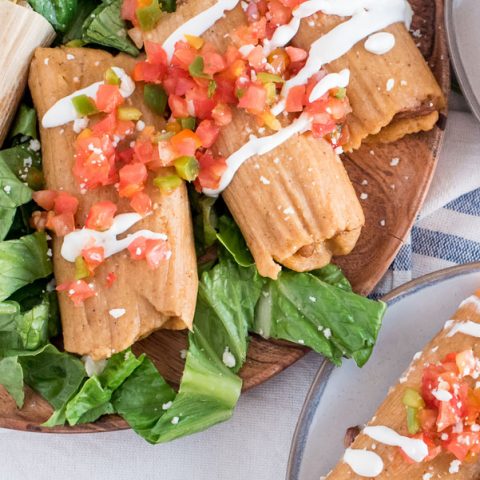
412	105
295	205
21	31
392	413
152	299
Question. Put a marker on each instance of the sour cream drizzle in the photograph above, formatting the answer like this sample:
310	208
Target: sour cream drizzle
332	80
380	43
363	462
467	328
367	17
258	146
472	300
199	24
76	241
415	448
63	111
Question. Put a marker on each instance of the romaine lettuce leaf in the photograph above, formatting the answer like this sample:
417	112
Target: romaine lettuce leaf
60	13
231	238
11	377
104	26
23	261
25	123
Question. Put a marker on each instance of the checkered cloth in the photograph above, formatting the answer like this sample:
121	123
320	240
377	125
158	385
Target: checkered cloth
447	231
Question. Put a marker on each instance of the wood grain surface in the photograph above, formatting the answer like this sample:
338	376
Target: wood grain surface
395	179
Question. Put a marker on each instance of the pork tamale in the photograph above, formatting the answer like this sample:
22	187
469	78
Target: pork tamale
294	205
403	95
457	341
141	300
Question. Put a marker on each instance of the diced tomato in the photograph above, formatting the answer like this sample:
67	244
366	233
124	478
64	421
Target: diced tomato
296	54
106	126
208	132
183	55
295	99
166	155
222	114
108	98
254	98
256	58
279	13
132	179
460	444
128	10
291	3
465	362
45	198
211	170
93	256
61	224
155	53
138	248
111	279
65	203
279	61
186	143
101	214
225	92
178	106
149	72
232	54
141	203
319	130
447	416
428	419
143	150
78	291
156	252
213	62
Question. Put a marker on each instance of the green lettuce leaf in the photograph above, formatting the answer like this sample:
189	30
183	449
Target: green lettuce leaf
25	123
12	194
104	26
23	261
75	29
11	377
60	13
25	163
231	238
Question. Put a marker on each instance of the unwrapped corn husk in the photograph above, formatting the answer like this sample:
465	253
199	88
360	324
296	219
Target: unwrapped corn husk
295	205
152	299
21	31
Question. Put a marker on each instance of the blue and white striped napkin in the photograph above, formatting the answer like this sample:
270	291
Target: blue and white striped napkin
447	231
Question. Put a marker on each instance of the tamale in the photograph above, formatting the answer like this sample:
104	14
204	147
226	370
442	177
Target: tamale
22	31
152	299
403	95
294	205
392	411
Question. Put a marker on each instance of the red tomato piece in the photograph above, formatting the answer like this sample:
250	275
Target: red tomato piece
295	99
279	13
65	203
132	179
141	203
208	132
144	150
101	214
62	224
465	362
319	130
155	53
106	126
45	198
256	58
93	256
156	252
428	419
222	114
138	248
461	443
296	54
211	170
108	98
213	62
186	142
77	291
254	98
183	55
128	10
178	106
447	416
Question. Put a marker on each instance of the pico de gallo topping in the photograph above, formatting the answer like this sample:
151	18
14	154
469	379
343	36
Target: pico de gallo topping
444	412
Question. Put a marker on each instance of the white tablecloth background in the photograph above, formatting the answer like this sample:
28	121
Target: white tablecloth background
255	443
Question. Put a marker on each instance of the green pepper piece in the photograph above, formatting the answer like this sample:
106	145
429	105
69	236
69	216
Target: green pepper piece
129	113
412	398
188	122
84	105
167	183
81	269
196	68
155	98
148	16
341	93
75	43
187	167
212	87
265	77
413	425
111	77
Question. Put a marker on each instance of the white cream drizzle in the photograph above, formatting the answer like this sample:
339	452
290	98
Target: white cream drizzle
467	328
472	300
258	146
199	24
367	17
415	448
76	241
363	462
63	111
380	43
332	80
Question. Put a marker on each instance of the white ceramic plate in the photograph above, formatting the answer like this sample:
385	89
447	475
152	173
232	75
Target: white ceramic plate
343	397
463	34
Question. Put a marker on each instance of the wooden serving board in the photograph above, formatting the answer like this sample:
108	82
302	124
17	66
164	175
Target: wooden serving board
395	193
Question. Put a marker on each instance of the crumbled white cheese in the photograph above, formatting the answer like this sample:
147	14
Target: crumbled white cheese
427	476
382	223
228	358
140	125
289	211
70	56
454	466
80	124
327	332
117	312
183	354
363	196
390	84
46	61
442	395
264	180
175	420
394	161
312	299
34	145
166	406
7	189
